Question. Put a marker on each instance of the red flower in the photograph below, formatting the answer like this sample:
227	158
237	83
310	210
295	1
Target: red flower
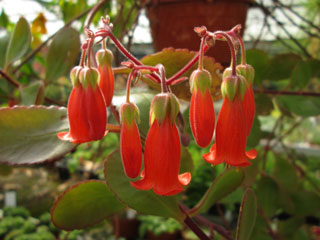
162	150
106	83
86	108
202	118
247	71
249	108
130	144
231	131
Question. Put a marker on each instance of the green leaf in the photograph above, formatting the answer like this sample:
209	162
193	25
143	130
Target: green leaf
264	104
306	203
251	173
300	105
145	202
19	41
84	204
175	59
289	227
260	62
267	192
255	134
63	53
4	40
33	94
28	135
282	65
286	175
4	20
224	184
142	98
186	161
247	215
301	75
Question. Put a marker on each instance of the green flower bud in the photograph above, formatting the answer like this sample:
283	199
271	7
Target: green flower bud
75	76
200	80
229	87
164	105
89	76
227	72
104	57
247	71
129	112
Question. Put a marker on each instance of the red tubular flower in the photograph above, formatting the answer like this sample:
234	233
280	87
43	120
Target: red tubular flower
86	108
202	118
162	150
104	59
247	71
130	145
231	131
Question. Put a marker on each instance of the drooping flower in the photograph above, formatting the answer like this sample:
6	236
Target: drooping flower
247	71
231	130
104	59
86	108
202	118
162	149
130	144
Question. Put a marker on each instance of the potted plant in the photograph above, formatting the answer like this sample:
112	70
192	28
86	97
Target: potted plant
172	22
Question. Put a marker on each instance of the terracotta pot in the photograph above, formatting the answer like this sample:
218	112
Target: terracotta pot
172	22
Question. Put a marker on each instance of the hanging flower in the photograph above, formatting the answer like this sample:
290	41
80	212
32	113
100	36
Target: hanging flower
162	149
247	71
231	131
202	118
130	144
86	108
104	59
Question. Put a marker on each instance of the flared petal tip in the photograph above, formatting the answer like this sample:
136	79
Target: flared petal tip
252	154
185	178
66	136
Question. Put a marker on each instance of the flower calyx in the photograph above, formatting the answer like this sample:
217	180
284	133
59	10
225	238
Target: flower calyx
129	113
164	105
89	77
233	86
201	80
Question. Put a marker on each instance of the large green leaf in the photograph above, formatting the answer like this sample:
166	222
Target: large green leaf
142	98
282	65
145	202
224	184
255	134
28	134
264	104
175	59
301	75
19	41
4	40
300	105
247	216
33	94
63	53
84	204
260	62
267	192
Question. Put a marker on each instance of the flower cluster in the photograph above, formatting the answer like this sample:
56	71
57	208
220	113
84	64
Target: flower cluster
92	93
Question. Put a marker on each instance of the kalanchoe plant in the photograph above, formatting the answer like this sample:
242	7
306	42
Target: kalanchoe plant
164	176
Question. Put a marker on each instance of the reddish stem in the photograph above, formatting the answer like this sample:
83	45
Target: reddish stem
220	34
172	79
131	75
